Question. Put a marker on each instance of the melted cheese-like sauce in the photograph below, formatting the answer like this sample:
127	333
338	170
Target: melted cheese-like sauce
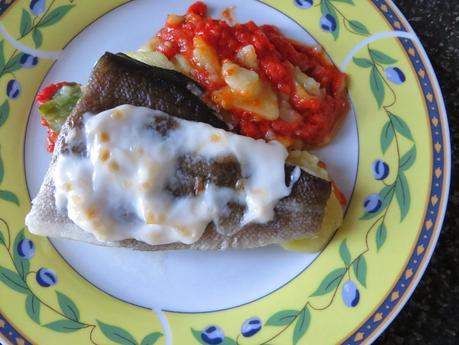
118	190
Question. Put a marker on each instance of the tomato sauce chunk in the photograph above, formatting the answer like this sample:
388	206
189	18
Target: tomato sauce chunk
267	85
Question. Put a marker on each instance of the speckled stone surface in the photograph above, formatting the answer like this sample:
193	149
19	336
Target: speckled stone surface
431	316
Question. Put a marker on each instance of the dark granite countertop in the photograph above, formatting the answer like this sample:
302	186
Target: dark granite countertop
431	316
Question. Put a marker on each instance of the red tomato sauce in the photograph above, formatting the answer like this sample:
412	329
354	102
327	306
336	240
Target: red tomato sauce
277	57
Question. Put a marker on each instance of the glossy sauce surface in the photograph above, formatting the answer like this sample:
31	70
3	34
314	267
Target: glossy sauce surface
120	188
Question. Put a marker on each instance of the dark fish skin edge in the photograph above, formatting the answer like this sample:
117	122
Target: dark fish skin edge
118	79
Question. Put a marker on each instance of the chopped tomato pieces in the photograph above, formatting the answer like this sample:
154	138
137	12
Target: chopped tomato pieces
303	79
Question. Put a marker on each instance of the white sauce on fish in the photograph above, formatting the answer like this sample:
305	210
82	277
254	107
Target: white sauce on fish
119	190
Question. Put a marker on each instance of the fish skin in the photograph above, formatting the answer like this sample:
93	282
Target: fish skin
117	79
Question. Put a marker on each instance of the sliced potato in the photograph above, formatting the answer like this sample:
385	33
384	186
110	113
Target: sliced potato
308	162
241	79
153	58
183	65
247	56
309	84
301	92
205	57
266	106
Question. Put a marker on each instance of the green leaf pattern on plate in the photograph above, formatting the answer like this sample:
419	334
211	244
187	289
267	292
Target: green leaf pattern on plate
2	169
52	17
377	86
13	280
360	270
408	159
344	253
68	307
381	57
402	192
331	8
282	318
392	132
4	111
117	334
12	64
387	135
330	282
151	338
362	62
9	197
26	22
358	27
37	37
381	235
400	126
65	326
32	305
301	326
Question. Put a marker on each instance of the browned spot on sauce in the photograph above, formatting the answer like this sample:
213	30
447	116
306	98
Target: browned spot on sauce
104	137
104	155
114	166
117	114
